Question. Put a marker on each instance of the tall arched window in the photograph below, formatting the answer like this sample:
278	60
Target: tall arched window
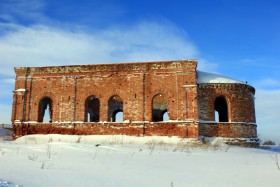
115	109
92	107
159	110
45	110
221	109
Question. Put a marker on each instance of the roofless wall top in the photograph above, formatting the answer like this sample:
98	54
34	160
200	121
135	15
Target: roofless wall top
140	67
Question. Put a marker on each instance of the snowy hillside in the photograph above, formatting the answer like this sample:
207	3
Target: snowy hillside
122	161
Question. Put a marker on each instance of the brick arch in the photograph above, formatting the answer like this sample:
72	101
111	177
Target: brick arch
39	96
81	102
239	97
115	105
92	107
104	103
159	105
108	95
103	98
36	104
45	103
83	97
224	111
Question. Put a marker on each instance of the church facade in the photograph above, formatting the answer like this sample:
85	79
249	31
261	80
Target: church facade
167	98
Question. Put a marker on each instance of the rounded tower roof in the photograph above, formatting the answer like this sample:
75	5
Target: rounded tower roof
205	77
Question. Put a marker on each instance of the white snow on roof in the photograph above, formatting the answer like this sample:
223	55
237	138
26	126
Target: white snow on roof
204	77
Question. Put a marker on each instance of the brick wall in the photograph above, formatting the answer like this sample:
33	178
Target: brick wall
136	84
239	98
240	110
229	130
189	105
180	129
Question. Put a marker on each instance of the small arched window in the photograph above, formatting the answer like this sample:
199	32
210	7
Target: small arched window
221	109
45	110
115	109
92	107
159	108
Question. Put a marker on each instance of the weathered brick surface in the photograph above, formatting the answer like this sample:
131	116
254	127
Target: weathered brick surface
184	130
135	83
239	97
229	130
136	87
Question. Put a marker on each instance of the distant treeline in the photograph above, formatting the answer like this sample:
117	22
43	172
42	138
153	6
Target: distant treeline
3	125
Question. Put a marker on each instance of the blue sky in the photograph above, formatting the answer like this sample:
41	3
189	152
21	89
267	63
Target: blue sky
237	38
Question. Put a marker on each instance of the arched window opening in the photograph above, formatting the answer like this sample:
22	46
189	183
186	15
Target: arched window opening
159	108
115	109
222	109
45	110
92	109
165	116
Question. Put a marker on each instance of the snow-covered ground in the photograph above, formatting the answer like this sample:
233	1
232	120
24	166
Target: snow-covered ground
123	161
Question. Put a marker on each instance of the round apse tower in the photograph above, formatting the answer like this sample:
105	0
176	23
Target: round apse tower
226	109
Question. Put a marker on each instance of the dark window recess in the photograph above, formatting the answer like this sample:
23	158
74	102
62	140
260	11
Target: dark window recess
45	110
222	109
115	109
159	108
92	109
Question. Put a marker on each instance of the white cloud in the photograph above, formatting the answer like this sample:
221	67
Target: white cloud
6	87
47	42
268	113
8	80
5	114
266	100
14	11
268	83
205	65
41	45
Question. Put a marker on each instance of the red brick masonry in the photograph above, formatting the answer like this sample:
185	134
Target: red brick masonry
228	130
184	130
142	91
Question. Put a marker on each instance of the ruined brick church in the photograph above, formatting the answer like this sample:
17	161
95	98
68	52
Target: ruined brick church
168	98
